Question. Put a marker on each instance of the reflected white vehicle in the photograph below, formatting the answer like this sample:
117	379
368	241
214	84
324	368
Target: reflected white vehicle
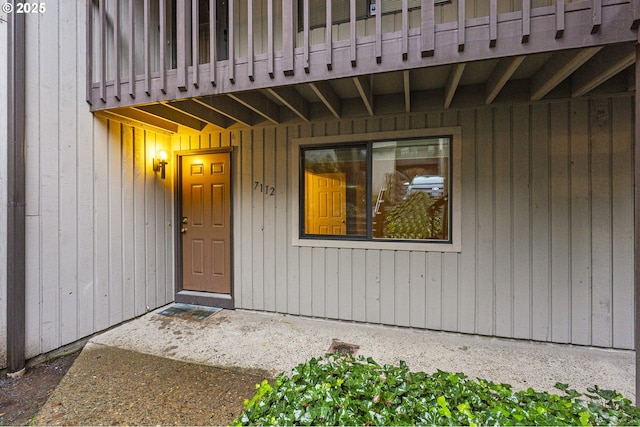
433	185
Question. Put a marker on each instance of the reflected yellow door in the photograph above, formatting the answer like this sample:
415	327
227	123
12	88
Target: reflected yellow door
326	203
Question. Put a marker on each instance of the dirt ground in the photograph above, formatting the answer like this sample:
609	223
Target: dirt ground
21	398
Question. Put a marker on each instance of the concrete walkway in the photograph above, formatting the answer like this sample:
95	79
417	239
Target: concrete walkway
276	343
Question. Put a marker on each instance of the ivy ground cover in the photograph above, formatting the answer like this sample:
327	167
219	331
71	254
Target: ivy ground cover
343	390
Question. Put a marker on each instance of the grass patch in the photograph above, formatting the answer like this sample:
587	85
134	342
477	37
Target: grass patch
343	390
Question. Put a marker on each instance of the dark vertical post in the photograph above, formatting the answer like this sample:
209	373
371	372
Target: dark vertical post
636	251
16	195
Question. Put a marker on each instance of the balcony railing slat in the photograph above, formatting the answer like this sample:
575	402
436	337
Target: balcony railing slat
132	50
493	22
559	19
232	41
89	60
147	48
352	28
181	48
427	28
250	39
635	10
270	54
461	25
163	46
597	16
405	29
379	31
103	51
305	34
526	20
116	46
195	43
213	44
288	35
329	36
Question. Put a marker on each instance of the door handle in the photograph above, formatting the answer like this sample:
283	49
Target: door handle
183	230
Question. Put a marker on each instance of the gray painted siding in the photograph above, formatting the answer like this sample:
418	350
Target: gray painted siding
547	229
99	242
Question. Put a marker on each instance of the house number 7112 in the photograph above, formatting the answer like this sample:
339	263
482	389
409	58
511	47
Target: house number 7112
266	189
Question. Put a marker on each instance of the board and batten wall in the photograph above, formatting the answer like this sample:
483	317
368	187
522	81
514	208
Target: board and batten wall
547	228
98	219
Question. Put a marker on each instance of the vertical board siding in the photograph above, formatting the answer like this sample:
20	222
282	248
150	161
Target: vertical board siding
533	224
98	235
4	60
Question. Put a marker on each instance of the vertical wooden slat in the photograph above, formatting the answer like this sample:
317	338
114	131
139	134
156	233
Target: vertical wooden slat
250	39
559	18
352	28
213	41
103	51
461	25
181	41
132	50
162	46
405	29
635	12
195	44
116	49
493	22
288	35
427	28
232	41
147	48
305	33
596	14
329	36
526	20
379	31
89	48
636	258
270	48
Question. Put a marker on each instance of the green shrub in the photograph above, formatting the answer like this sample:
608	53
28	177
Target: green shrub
342	390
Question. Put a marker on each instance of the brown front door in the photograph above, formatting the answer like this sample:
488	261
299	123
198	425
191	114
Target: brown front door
206	222
326	203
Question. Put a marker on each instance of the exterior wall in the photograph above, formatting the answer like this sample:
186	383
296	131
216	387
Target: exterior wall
99	246
3	189
547	228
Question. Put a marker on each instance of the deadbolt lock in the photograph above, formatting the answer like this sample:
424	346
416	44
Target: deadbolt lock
185	219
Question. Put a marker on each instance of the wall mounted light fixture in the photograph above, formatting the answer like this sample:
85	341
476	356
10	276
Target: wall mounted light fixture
160	161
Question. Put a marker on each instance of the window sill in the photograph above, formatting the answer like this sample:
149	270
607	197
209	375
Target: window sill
379	245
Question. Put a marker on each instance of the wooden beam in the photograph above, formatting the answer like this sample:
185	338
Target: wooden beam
292	100
231	48
606	64
116	50
352	30
329	36
596	9
405	29
526	21
493	22
132	51
163	45
181	48
147	46
635	14
213	41
103	50
407	91
560	66
172	115
427	28
378	48
500	76
328	96
258	103
250	50
89	57
230	108
146	118
559	19
364	89
462	22
195	44
305	34
201	112
288	34
452	83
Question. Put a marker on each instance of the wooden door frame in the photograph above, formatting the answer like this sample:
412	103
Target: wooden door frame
210	299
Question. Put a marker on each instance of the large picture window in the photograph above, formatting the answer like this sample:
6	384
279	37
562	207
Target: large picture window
377	190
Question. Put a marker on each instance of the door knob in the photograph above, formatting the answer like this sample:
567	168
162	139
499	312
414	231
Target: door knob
183	230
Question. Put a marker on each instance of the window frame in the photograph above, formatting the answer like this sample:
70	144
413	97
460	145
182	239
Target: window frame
367	242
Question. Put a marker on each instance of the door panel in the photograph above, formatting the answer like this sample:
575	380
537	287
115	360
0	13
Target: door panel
206	223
